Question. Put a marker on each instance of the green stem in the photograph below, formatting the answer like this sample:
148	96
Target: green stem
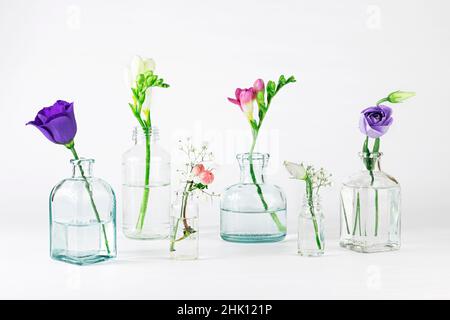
357	216
274	216
345	215
376	213
182	215
145	196
376	149
381	101
309	195
71	147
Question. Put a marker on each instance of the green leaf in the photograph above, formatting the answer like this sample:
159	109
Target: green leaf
135	93
141	98
254	125
376	146
200	186
366	146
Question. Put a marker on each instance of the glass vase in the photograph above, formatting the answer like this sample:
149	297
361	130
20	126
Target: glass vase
184	232
253	210
146	187
82	217
370	209
311	238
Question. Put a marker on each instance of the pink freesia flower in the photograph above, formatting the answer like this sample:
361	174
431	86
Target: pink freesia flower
259	85
206	177
244	99
199	168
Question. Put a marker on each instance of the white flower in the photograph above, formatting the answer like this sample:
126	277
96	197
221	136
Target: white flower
297	171
138	66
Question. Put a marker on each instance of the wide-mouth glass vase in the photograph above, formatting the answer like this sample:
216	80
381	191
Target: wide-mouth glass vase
184	227
146	187
370	209
82	217
253	210
311	236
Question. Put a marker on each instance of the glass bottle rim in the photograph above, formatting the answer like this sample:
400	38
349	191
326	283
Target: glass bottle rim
370	155
152	131
255	156
77	162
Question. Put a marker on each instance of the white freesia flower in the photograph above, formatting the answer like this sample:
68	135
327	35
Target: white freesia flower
138	66
297	171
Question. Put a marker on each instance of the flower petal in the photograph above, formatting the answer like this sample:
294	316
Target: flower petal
297	171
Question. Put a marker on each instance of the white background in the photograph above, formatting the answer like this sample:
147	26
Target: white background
345	55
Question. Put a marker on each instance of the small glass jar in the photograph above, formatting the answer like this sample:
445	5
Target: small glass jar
370	209
184	232
82	217
253	210
311	237
146	187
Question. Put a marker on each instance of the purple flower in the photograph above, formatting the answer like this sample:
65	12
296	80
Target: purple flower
57	122
375	121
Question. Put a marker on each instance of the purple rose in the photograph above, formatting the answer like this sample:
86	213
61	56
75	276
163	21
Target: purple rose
375	121
57	122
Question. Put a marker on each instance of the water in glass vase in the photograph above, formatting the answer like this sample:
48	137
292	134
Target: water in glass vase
81	243
156	222
370	212
146	187
251	227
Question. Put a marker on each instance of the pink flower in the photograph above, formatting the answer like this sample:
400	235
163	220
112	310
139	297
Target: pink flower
206	177
199	168
244	99
258	86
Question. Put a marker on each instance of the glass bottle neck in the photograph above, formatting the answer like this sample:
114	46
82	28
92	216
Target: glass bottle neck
82	168
140	136
252	167
371	161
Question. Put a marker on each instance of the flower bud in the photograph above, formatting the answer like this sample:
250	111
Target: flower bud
199	168
259	85
297	171
399	96
206	177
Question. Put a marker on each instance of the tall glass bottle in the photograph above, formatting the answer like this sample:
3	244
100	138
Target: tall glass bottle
82	217
253	212
146	187
370	209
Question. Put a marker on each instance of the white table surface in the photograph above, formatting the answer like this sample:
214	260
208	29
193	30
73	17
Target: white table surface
225	270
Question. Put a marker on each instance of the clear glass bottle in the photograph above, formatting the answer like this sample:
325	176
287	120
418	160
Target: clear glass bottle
82	217
146	206
311	237
370	209
184	232
253	210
